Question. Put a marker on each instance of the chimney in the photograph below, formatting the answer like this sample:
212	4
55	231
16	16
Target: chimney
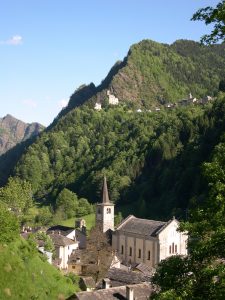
129	292
106	283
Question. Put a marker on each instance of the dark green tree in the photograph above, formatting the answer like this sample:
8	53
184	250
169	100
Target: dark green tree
201	275
215	16
9	225
17	194
68	202
222	85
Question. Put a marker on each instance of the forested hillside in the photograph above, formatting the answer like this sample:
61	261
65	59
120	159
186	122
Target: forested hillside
152	160
152	74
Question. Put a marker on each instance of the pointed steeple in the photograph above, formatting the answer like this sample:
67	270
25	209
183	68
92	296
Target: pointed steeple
105	194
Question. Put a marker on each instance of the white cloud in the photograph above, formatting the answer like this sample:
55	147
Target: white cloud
30	103
63	103
14	41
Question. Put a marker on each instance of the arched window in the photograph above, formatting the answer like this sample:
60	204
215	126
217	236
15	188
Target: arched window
108	210
130	251
175	248
149	255
172	247
122	249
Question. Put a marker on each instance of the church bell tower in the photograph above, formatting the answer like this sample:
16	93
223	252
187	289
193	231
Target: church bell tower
105	210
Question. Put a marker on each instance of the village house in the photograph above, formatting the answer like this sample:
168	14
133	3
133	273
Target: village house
64	247
77	233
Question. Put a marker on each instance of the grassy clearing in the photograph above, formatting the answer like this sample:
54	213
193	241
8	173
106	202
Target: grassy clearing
90	221
24	274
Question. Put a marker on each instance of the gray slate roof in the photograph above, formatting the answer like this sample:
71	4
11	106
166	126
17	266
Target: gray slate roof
64	230
141	226
141	292
88	281
61	240
145	269
126	277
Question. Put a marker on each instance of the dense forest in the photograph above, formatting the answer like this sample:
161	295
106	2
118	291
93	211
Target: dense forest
152	160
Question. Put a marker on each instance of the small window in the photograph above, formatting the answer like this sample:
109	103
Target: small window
139	253
175	248
99	210
149	255
108	210
68	247
73	267
122	249
170	249
130	251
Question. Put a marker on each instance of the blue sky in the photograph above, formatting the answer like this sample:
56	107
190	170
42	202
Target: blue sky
48	48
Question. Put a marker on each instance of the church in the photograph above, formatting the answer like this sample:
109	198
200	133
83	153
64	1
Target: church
138	240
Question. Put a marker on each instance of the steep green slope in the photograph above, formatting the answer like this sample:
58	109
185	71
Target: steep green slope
24	275
154	73
152	160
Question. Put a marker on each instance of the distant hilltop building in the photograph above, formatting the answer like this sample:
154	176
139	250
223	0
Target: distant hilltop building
98	106
112	99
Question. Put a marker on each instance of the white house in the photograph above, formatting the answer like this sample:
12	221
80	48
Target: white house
64	248
75	234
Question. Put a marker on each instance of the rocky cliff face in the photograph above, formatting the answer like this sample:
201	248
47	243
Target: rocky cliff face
13	131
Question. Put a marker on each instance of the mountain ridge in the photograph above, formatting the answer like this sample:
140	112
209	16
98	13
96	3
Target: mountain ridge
153	73
14	131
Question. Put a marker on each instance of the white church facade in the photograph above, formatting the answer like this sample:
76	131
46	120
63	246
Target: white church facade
138	240
148	241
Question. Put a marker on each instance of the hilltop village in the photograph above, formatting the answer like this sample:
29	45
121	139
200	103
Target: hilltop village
113	100
130	252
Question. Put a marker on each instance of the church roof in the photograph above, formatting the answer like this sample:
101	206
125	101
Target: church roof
141	226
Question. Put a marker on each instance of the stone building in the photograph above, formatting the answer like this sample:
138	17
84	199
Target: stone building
148	241
105	211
